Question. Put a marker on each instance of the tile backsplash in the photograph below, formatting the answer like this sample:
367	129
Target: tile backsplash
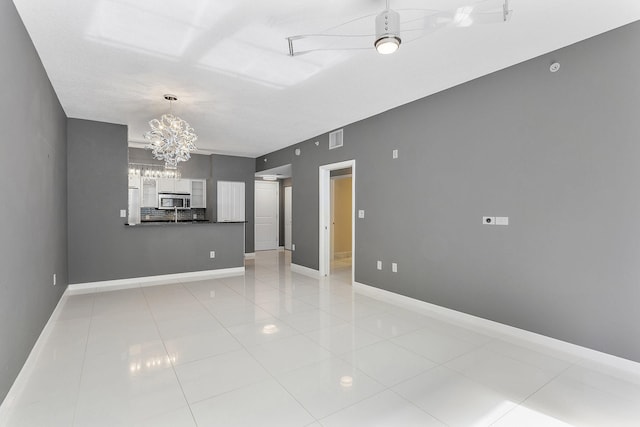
153	214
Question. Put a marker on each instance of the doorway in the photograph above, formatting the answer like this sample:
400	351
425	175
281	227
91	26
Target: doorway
340	252
266	215
326	216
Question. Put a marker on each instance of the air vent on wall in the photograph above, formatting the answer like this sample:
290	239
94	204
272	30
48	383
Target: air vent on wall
335	139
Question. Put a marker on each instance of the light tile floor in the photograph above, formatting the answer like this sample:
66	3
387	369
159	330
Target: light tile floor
274	348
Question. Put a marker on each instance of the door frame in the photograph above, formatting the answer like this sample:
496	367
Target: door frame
324	217
276	184
288	193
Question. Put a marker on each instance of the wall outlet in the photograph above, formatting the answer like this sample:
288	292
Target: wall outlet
394	267
293	246
54	279
361	213
379	265
123	213
502	220
195	216
488	220
212	254
395	154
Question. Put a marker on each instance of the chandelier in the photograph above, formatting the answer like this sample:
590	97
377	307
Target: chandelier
171	139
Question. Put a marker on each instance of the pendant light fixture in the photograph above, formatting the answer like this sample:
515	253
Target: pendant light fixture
171	139
387	31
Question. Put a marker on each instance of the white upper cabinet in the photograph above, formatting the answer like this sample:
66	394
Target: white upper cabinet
198	193
182	185
171	185
134	181
149	193
165	185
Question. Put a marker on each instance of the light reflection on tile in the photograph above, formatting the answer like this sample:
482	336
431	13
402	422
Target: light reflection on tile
273	347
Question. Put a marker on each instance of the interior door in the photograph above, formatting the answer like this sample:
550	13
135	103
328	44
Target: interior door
266	215
287	218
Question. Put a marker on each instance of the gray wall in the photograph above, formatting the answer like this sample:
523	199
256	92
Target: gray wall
32	168
557	153
101	247
233	168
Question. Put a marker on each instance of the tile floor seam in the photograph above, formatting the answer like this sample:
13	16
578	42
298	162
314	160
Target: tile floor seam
84	358
465	353
569	364
520	404
273	376
166	350
385	389
300	403
588	386
497	390
421	409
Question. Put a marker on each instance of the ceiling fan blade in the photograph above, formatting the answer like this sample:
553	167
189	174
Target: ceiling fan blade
305	52
306	43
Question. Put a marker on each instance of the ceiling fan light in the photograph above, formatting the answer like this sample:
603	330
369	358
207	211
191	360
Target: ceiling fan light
387	32
387	45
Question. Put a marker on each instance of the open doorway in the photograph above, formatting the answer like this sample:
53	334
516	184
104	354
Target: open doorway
341	209
333	244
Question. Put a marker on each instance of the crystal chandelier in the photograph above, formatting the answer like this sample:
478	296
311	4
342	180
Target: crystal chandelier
171	139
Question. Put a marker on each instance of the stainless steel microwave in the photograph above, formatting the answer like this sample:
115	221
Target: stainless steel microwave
174	201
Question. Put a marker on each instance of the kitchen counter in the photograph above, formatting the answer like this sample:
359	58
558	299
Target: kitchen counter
189	222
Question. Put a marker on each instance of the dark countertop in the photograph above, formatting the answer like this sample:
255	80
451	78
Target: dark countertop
187	222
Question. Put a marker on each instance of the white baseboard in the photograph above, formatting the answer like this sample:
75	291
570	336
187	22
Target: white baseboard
342	255
305	270
280	248
27	369
250	255
500	330
140	282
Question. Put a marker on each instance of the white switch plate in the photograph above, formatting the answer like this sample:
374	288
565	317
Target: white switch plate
502	220
379	265
54	279
395	154
488	220
123	213
361	213
212	254
293	246
394	267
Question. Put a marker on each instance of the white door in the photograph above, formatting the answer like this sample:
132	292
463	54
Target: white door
287	218
266	208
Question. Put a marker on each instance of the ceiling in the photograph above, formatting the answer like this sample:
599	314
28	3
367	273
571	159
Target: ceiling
228	63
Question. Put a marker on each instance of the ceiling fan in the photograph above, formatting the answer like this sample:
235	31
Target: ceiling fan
388	33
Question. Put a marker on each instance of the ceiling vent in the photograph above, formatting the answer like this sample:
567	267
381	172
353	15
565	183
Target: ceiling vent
335	139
